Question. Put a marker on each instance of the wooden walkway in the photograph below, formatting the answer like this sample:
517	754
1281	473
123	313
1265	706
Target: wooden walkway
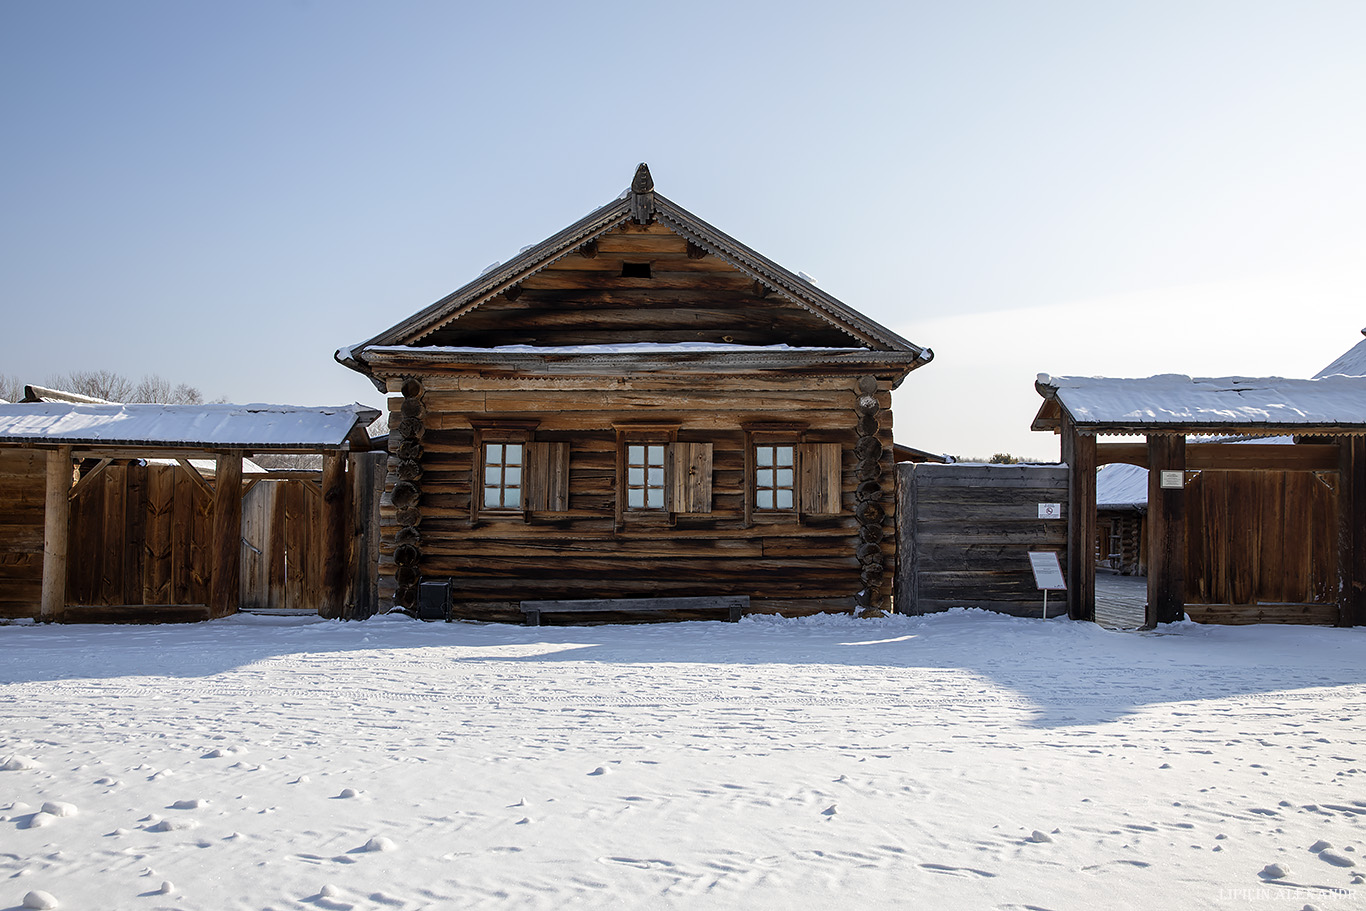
1120	600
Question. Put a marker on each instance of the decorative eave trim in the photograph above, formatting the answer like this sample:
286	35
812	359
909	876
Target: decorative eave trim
835	361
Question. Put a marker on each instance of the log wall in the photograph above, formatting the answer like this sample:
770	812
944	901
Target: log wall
966	533
783	562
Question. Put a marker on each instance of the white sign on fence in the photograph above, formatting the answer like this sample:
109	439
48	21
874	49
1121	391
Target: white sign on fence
1050	510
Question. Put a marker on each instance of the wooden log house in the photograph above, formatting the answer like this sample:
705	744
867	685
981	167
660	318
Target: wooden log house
1236	533
107	513
639	407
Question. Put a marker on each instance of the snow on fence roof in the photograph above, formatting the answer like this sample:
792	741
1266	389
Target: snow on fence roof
1174	402
180	426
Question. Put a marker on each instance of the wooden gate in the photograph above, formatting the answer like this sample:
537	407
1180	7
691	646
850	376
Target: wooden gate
281	559
1262	546
139	535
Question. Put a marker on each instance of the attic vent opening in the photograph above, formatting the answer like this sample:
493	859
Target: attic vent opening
635	270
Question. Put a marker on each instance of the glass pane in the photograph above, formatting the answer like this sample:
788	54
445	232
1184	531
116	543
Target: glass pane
784	499
784	477
764	477
493	475
656	498
491	497
635	477
763	455
493	453
656	477
785	455
514	456
635	498
656	455
635	455
512	477
512	498
764	499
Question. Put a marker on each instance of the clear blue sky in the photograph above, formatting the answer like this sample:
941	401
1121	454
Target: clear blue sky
225	193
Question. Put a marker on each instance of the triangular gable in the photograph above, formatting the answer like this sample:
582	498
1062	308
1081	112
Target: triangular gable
639	206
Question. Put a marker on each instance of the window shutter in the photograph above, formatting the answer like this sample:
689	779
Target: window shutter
547	479
690	486
820	479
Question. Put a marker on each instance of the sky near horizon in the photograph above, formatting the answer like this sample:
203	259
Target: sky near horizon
223	194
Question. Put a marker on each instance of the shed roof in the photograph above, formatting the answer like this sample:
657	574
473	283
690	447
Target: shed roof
256	428
1172	403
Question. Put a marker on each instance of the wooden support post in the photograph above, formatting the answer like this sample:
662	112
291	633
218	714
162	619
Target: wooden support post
1352	531
1166	531
367	470
225	578
1079	452
336	539
56	525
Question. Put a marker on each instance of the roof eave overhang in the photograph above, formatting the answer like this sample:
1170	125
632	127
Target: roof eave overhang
852	361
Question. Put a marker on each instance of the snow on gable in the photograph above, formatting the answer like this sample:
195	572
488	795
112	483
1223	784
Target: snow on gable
1351	363
1173	399
244	426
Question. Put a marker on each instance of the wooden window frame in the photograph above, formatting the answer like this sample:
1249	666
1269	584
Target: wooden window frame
808	456
651	433
502	432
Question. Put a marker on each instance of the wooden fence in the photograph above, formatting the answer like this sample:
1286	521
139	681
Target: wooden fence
966	532
140	542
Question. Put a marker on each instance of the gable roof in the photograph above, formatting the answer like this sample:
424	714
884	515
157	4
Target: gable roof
640	205
1172	403
1351	363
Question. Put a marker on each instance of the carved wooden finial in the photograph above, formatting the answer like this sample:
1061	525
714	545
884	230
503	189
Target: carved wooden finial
642	196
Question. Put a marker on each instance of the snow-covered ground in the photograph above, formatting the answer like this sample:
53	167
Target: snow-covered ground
965	760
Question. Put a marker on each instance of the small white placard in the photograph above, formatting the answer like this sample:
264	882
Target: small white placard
1173	480
1047	572
1050	510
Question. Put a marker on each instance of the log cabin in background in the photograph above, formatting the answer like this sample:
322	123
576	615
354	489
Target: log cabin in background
640	407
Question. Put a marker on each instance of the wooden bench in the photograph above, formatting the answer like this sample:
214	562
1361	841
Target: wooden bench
734	604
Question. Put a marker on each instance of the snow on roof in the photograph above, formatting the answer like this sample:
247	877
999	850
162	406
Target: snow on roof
1120	484
245	426
1173	399
1351	363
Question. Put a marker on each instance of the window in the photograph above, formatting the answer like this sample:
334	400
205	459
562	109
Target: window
775	476
645	475
503	475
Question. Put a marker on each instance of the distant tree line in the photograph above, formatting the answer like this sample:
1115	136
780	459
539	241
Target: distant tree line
110	386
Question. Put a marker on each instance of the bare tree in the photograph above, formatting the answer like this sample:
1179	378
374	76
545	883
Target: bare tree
99	384
114	387
11	390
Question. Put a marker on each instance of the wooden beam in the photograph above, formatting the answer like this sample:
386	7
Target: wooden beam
1166	531
1079	452
335	540
198	478
86	479
367	472
1352	532
56	525
1128	453
225	576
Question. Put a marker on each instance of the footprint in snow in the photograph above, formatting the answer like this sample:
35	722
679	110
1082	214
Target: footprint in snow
598	771
18	764
194	804
329	897
830	810
1274	871
347	794
1039	838
39	820
157	776
172	825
